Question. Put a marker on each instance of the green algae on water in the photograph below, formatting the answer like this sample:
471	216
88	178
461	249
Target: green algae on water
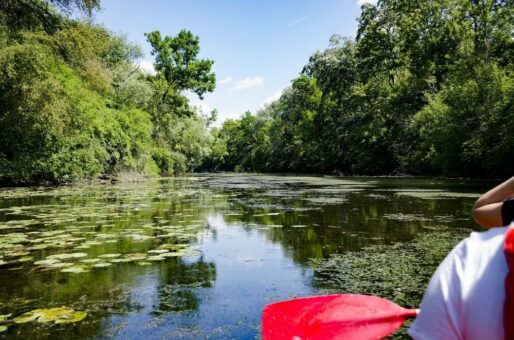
399	272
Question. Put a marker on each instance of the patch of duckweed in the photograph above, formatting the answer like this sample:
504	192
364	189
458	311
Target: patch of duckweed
399	271
299	209
378	196
436	194
58	315
326	200
268	214
405	217
336	190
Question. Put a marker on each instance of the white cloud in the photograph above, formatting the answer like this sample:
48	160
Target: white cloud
147	66
362	2
248	83
225	81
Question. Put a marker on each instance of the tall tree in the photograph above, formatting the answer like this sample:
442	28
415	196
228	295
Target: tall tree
176	60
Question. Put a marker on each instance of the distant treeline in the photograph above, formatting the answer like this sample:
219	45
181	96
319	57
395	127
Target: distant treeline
425	88
75	105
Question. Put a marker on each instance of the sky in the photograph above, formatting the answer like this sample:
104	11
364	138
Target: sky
258	46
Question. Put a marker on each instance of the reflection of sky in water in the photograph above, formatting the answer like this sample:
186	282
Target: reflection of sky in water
250	273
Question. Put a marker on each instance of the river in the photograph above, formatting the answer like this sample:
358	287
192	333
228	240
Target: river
200	256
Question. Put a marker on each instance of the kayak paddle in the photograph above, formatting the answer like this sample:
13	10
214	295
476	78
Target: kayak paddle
346	316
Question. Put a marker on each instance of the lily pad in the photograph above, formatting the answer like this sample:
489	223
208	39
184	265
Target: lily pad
158	251
109	256
25	259
102	265
120	260
91	261
58	315
75	270
3	329
67	256
175	254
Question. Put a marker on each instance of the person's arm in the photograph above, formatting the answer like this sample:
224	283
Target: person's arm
490	211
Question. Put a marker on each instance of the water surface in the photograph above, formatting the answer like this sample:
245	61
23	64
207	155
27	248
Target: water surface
200	256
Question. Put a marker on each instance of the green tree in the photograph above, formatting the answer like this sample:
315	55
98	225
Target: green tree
176	61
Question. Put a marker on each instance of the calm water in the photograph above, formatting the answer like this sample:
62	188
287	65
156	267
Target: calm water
199	257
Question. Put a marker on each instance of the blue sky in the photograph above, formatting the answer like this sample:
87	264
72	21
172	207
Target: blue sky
258	46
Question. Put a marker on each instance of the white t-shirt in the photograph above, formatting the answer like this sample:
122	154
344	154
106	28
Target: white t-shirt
465	297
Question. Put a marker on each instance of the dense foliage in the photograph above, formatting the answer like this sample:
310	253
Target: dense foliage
426	88
75	105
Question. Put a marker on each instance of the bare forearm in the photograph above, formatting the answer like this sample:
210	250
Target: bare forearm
497	194
487	210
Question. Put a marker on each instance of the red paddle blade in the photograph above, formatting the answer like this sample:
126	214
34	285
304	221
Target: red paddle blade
349	317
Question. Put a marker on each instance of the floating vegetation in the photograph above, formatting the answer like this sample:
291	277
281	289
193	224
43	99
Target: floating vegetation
268	214
326	200
109	256
399	272
102	265
378	196
75	269
406	217
436	194
59	315
156	258
338	190
66	256
158	251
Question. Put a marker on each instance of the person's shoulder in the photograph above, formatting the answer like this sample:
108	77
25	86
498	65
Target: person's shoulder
489	237
479	247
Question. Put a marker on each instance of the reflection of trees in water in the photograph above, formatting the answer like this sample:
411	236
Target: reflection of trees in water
179	283
352	225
